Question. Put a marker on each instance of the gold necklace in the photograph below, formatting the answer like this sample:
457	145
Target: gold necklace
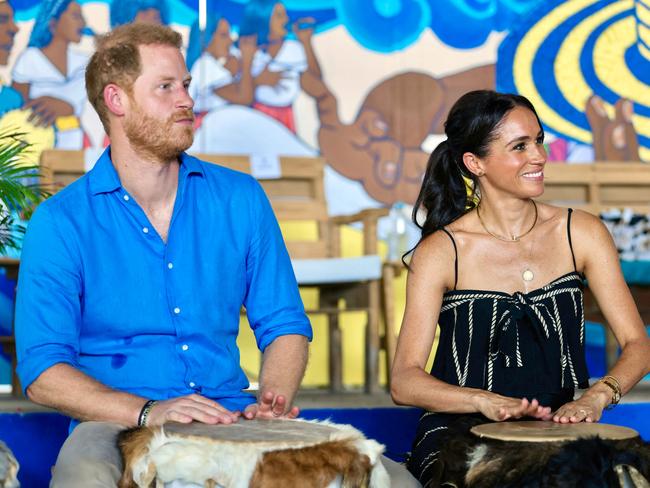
527	275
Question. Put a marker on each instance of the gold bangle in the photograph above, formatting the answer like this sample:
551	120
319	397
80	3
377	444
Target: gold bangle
614	385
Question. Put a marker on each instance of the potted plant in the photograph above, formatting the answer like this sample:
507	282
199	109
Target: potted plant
20	191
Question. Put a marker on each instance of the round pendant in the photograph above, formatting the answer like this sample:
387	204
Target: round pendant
528	275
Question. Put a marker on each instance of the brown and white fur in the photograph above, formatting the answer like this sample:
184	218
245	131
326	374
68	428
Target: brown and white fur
154	456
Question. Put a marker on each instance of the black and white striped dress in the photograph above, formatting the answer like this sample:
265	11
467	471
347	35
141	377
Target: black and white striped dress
520	345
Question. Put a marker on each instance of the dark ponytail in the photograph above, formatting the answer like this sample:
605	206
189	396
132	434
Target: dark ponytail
472	124
444	192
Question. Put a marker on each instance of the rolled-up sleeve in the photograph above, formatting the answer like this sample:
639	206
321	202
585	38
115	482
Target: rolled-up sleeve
48	304
273	304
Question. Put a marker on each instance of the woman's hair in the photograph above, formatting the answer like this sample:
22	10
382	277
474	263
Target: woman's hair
471	126
200	40
125	11
256	19
49	10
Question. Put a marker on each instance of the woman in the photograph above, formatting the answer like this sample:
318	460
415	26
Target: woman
278	63
218	75
50	74
502	275
146	11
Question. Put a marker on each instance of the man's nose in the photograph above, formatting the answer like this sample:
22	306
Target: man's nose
185	100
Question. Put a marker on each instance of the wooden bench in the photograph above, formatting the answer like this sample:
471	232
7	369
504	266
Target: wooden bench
599	186
596	188
298	196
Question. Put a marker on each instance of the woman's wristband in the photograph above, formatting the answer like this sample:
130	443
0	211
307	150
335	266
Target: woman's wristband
614	385
144	413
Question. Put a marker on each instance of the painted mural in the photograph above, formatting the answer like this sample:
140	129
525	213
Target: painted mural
366	84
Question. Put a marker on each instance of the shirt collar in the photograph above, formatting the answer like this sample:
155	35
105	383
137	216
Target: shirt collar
103	178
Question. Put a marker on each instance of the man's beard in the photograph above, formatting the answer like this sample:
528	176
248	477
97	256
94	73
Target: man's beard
163	140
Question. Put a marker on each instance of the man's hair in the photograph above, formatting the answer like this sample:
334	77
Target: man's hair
117	60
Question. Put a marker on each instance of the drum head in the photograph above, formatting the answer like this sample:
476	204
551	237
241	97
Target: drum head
260	432
540	431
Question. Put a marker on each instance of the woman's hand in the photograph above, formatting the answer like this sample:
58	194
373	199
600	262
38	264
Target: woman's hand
46	109
499	408
588	408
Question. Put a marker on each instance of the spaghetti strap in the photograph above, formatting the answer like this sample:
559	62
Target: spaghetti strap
568	230
455	256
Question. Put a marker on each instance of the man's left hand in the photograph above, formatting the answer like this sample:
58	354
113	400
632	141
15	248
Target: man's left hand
271	406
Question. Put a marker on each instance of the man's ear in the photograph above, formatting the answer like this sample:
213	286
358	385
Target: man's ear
116	99
473	164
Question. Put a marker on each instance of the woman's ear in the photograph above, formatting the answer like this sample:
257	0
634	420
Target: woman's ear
473	164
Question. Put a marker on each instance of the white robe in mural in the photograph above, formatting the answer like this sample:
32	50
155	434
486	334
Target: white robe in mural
291	61
208	74
33	67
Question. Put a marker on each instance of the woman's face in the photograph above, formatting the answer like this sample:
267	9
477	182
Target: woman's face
516	158
221	41
148	16
278	22
70	24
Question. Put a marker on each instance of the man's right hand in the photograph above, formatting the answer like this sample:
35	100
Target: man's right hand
190	408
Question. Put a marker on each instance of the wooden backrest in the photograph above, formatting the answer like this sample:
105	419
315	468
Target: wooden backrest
297	197
60	167
599	186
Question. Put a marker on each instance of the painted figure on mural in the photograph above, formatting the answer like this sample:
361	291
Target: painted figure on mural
10	98
50	72
613	139
221	73
147	11
279	62
382	148
221	96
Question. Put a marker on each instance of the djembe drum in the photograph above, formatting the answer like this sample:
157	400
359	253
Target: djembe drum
255	453
547	454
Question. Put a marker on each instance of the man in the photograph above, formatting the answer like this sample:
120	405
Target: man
133	277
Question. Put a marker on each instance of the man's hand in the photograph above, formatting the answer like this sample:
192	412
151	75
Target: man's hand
190	408
271	406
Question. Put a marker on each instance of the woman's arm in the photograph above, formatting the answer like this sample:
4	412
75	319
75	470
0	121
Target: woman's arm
596	255
242	91
432	272
45	109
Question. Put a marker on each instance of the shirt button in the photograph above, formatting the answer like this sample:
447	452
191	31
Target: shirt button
177	310
145	230
192	384
185	347
170	265
126	198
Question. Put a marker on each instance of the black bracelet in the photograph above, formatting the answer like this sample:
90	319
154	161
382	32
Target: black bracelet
144	413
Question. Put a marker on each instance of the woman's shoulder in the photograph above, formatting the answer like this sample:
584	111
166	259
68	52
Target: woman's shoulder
580	224
437	248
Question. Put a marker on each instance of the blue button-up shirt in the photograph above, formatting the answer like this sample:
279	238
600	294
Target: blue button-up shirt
100	290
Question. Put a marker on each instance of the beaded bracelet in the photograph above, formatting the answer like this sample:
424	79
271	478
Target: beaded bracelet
144	413
614	385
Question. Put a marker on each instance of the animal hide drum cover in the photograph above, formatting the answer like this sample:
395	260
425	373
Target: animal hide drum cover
8	468
469	461
255	453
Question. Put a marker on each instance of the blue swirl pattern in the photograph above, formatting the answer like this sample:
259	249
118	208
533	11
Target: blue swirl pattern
379	25
384	25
